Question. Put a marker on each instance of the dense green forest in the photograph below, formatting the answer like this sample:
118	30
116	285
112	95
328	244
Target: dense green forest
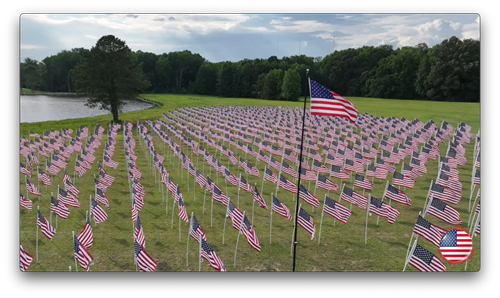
448	71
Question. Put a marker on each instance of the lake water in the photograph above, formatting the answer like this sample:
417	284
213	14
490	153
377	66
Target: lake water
37	108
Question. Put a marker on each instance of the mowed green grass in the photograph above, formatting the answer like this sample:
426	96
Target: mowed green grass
342	246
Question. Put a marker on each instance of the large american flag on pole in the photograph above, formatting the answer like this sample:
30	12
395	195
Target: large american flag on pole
325	102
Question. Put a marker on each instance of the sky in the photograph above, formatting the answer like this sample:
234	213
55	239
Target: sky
233	37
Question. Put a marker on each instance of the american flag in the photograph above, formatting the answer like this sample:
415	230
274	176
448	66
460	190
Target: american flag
307	175
446	181
101	198
326	184
177	194
230	178
362	182
428	231
44	178
258	198
270	176
143	260
444	212
66	177
244	184
336	210
399	179
319	167
58	162
138	198
59	208
209	185
263	157
31	188
339	173
209	254
273	163
86	237
67	198
444	194
382	209
308	197
105	178
353	166
172	187
409	172
235	215
98	213
45	226
200	179
182	210
195	230
249	233
219	196
252	170
353	197
81	254
397	195
107	161
280	208
139	233
285	168
417	165
477	178
100	185
424	261
286	184
25	203
33	135
371	171
71	188
325	102
24	259
306	221
79	169
25	171
452	173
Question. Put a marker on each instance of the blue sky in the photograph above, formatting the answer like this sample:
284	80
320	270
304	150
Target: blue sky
233	37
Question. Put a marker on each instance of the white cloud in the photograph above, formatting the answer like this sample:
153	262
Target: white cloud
471	30
31	47
303	26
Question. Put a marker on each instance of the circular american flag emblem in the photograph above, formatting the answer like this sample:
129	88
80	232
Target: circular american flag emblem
456	246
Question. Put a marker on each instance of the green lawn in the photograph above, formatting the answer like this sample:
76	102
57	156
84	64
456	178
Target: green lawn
342	246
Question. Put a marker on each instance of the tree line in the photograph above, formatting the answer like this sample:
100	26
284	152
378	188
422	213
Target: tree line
448	71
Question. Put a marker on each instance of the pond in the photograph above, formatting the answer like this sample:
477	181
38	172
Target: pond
37	108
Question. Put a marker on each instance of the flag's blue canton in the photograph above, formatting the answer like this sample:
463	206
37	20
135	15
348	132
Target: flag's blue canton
137	248
319	91
76	245
94	203
304	215
330	203
375	202
138	222
423	254
276	201
41	218
449	239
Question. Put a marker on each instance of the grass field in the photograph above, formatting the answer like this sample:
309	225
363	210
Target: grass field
342	246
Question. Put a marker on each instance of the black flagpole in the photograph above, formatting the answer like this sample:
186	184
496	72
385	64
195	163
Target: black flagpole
300	167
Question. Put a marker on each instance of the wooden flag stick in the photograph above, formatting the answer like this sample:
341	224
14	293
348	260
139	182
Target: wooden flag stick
294	227
38	209
321	221
187	241
367	211
271	220
225	218
409	255
204	199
